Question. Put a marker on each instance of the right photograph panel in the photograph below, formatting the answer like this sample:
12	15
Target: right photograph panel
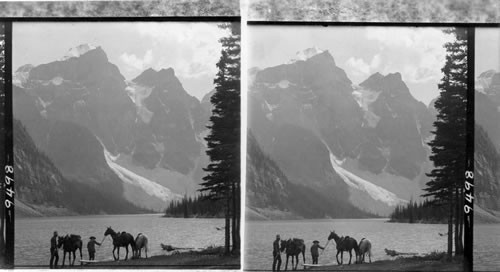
486	150
356	147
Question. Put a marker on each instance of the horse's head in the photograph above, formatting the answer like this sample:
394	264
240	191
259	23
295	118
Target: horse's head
333	235
109	231
284	244
60	241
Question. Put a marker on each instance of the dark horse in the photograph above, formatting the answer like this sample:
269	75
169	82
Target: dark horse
122	239
70	243
344	244
293	247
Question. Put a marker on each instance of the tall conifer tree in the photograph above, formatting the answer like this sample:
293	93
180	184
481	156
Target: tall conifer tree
448	146
223	180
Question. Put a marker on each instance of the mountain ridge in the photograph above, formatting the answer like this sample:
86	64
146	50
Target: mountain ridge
313	120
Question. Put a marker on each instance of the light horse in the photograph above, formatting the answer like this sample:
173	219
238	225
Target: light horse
344	244
365	247
121	240
141	241
293	247
70	243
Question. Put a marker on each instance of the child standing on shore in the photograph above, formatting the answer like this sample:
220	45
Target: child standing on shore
91	247
315	251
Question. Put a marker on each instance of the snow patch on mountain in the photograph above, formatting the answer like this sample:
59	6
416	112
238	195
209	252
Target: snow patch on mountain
150	187
364	98
306	54
76	52
21	75
138	93
284	84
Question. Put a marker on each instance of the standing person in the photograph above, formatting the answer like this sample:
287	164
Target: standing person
91	247
54	254
315	251
276	254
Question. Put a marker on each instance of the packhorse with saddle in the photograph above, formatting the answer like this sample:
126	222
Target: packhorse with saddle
71	243
294	247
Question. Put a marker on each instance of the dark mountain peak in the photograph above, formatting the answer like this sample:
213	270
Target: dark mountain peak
396	76
167	72
391	83
162	78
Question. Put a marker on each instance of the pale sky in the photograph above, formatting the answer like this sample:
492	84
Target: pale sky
417	53
192	49
487	53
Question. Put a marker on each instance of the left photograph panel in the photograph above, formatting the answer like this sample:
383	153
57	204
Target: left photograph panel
126	144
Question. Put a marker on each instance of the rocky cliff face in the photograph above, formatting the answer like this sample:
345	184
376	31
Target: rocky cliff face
43	190
323	130
486	142
143	137
270	195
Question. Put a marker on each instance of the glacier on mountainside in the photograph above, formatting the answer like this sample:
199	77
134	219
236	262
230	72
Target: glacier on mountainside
150	187
376	192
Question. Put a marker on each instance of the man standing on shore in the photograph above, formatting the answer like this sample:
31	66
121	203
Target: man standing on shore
276	254
54	254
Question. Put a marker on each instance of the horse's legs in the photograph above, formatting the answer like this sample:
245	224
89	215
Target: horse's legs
74	258
64	257
114	257
341	257
118	250
338	252
126	250
286	265
350	256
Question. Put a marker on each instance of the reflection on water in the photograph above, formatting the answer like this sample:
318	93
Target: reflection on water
411	238
486	247
32	236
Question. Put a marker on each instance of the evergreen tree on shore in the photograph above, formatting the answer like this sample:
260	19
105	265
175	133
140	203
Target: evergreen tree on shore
449	144
222	183
198	206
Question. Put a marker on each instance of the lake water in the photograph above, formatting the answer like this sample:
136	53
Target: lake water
32	236
411	238
486	247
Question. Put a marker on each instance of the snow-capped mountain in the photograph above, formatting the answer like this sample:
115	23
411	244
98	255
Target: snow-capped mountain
368	139
78	51
96	126
306	54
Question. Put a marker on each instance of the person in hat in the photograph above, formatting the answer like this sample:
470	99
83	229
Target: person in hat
91	247
315	251
54	253
276	254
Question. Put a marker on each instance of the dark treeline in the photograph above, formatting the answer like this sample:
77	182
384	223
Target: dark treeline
198	206
423	212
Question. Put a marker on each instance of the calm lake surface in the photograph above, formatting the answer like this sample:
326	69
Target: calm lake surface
32	237
486	247
411	238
